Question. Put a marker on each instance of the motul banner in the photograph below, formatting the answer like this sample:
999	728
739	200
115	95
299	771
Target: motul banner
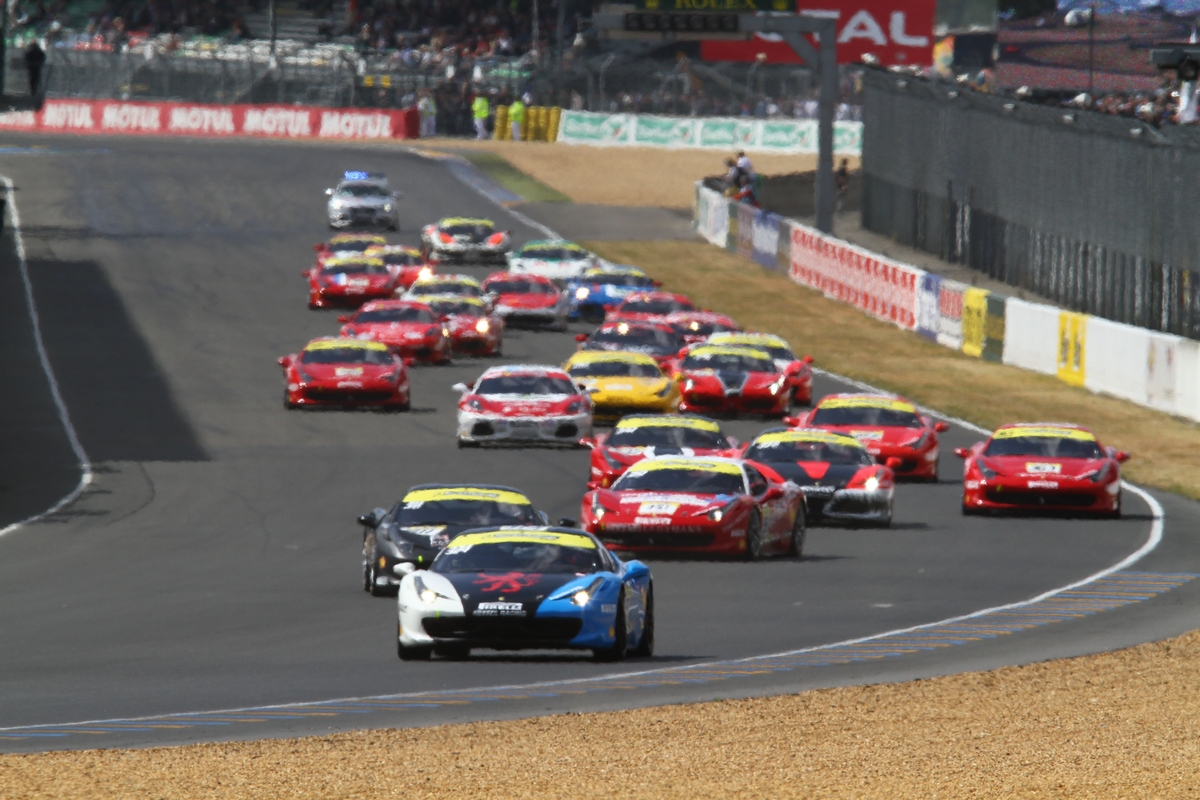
894	31
188	119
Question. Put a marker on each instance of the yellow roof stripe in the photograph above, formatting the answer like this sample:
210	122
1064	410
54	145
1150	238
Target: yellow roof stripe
466	493
890	403
524	536
820	437
590	356
656	464
338	344
718	350
1039	431
667	421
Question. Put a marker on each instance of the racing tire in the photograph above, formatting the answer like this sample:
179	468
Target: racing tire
620	639
937	465
412	653
375	589
969	511
463	444
453	652
799	534
288	404
754	536
645	648
368	578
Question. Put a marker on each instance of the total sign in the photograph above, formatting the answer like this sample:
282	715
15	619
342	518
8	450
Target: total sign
894	31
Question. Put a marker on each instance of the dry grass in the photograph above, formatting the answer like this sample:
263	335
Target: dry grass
844	340
1123	724
627	176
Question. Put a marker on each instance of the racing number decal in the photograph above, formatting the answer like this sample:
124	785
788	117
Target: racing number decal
508	582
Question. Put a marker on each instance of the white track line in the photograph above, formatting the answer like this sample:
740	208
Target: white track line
85	466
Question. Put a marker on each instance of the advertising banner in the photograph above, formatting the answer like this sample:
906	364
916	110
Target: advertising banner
1072	347
715	133
191	119
712	216
928	294
897	32
993	328
880	287
766	238
950	308
974	320
745	228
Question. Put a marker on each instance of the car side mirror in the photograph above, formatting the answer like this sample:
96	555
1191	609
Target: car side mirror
329	192
682	353
1121	456
404	568
371	519
345	318
397	194
807	359
733	441
319	246
461	388
567	522
286	361
893	463
962	452
408	361
306	273
941	427
589	442
792	422
581	337
773	493
636	569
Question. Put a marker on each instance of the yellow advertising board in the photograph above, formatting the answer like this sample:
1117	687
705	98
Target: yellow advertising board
1072	347
974	321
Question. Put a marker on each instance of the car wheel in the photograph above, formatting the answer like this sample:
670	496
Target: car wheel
287	403
754	536
377	590
367	573
453	652
936	466
412	653
799	534
645	647
620	640
969	511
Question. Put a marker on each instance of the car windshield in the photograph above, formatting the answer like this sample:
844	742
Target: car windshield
395	315
519	287
699	481
355	269
536	557
525	384
697	327
873	416
728	362
663	436
402	259
553	253
362	190
352	246
656	306
477	231
651	339
1044	447
826	452
448	308
618	279
347	355
473	513
615	369
449	287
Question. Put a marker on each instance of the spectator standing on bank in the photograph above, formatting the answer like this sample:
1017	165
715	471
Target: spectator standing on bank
479	110
733	175
843	176
745	192
427	109
35	57
516	115
743	163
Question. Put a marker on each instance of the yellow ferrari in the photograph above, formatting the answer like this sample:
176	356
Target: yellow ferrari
623	383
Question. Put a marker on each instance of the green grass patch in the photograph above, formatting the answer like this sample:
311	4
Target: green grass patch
511	178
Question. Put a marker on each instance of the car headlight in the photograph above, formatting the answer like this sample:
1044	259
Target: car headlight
666	390
482	326
612	460
581	293
1099	475
474	404
598	510
304	376
387	207
433	331
871	483
689	385
428	596
919	442
575	406
777	386
986	471
718	514
426	272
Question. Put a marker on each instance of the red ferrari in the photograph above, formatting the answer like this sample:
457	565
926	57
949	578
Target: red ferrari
406	263
411	329
1047	466
649	307
638	436
525	299
798	370
347	244
345	372
657	340
348	281
698	505
474	331
732	380
888	426
696	326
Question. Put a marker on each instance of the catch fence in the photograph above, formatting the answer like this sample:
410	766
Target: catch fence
1091	211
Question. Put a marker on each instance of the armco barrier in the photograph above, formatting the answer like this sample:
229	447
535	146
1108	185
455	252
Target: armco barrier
712	215
1122	371
929	291
950	311
188	119
1031	336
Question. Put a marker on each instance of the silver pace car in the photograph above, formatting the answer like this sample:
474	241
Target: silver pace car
363	199
523	404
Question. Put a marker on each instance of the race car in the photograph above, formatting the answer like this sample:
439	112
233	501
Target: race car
527	300
717	506
732	380
555	259
658	341
348	281
596	291
798	370
525	587
523	404
410	329
639	436
887	425
696	326
839	478
416	529
1047	466
649	307
406	263
363	198
462	285
345	372
473	330
465	239
623	383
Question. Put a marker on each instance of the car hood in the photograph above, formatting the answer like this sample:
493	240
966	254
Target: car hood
347	372
874	434
670	504
1048	468
815	473
623	386
521	405
528	588
527	300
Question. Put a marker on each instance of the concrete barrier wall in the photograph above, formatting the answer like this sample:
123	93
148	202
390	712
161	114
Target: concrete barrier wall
1031	336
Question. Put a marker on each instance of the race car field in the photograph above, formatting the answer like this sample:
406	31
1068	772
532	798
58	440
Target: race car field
211	565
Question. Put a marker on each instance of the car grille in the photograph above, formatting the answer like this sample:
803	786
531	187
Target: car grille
482	429
760	403
620	411
664	539
567	429
1022	498
906	465
561	629
344	396
471	345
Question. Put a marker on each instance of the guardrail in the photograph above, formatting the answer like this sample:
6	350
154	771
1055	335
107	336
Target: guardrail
1152	369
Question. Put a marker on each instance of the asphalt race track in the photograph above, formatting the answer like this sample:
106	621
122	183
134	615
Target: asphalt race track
214	562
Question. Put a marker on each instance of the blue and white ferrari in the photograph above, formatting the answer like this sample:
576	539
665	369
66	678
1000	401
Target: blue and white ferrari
513	588
599	290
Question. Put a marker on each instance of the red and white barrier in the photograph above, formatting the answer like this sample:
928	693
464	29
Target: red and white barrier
190	119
